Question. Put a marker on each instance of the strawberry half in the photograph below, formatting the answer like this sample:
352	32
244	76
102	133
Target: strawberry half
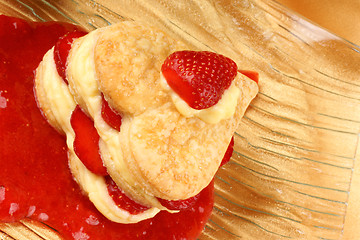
112	118
121	200
228	153
62	49
179	204
250	74
199	78
86	143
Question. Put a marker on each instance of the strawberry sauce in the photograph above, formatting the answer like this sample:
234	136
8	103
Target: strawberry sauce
35	180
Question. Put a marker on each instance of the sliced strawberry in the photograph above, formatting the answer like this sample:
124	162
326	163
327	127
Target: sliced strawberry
228	153
121	200
199	78
179	204
112	118
62	49
86	143
250	74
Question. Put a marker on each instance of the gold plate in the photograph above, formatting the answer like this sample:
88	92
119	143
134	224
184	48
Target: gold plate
296	149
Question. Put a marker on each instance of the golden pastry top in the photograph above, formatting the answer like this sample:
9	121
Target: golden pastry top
128	59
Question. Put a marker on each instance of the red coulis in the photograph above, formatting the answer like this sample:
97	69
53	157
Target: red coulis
35	180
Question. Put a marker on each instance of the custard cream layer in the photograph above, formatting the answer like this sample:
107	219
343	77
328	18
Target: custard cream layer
224	109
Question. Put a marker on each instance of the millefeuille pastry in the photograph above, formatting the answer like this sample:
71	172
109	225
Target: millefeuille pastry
144	116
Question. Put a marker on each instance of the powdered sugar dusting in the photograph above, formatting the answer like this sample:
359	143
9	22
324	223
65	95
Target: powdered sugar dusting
80	235
43	217
2	194
3	101
13	208
92	220
31	211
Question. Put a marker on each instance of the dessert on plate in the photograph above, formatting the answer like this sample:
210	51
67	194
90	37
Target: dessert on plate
147	120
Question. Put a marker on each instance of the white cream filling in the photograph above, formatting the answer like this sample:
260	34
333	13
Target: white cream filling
224	109
62	104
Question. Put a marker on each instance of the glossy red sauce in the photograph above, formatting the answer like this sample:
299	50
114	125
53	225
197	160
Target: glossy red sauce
35	180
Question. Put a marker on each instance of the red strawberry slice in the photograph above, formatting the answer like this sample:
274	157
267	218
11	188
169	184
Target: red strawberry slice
62	49
250	74
228	153
199	78
86	143
179	204
121	200
112	118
